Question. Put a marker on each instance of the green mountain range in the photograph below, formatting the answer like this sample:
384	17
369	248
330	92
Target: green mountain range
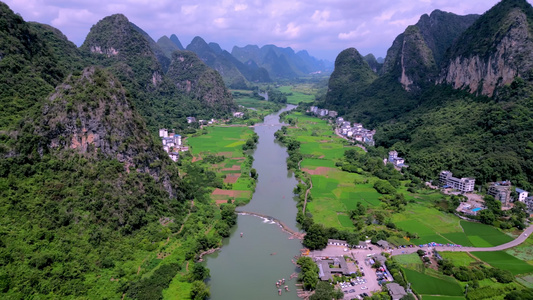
85	187
453	93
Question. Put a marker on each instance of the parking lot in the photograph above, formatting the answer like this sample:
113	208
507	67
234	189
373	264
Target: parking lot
367	283
354	288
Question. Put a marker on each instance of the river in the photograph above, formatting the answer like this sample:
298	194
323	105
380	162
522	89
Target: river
248	267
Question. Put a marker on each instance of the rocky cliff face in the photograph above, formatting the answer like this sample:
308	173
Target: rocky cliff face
496	49
415	55
101	124
192	76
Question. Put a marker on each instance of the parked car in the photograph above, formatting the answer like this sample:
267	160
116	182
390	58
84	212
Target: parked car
352	283
364	288
351	291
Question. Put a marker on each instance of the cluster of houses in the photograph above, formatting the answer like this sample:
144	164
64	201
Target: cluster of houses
172	143
322	112
355	131
500	190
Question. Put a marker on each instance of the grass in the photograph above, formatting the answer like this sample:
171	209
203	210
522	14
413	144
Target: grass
345	221
220	139
505	261
428	285
297	96
410	261
526	280
482	235
459	258
523	251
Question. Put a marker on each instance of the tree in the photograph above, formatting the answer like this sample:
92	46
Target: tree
325	291
384	187
316	237
227	212
421	252
199	291
502	276
253	173
199	273
408	297
487	217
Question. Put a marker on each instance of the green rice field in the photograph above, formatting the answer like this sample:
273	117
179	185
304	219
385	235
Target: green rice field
432	225
428	285
505	261
297	96
226	141
482	235
429	297
220	139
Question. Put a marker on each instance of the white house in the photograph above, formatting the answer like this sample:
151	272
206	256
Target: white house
522	195
163	132
174	156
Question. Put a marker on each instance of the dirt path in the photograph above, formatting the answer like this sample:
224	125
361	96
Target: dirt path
307	193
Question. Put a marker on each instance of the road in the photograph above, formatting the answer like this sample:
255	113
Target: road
339	251
361	254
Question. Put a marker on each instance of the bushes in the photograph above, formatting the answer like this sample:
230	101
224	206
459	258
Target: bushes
152	287
384	187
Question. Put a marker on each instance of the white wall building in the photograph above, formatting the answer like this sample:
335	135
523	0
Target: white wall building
522	195
463	184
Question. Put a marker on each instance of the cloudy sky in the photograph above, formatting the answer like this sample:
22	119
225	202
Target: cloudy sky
323	27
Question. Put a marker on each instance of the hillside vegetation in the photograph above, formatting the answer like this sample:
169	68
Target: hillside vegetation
428	102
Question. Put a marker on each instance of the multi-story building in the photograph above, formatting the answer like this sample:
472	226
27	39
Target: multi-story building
501	191
461	184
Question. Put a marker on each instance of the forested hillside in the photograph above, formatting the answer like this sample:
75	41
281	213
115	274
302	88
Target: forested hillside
86	192
444	122
116	43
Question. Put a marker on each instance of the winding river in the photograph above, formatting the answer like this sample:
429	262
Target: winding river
248	267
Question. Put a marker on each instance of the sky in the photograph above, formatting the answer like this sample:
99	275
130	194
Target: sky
322	27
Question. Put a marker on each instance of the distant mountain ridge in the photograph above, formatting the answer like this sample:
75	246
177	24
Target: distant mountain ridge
281	62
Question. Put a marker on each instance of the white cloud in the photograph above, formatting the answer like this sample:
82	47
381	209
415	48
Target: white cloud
241	7
319	26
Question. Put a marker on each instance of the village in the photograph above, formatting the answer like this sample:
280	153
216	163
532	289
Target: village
173	143
350	131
